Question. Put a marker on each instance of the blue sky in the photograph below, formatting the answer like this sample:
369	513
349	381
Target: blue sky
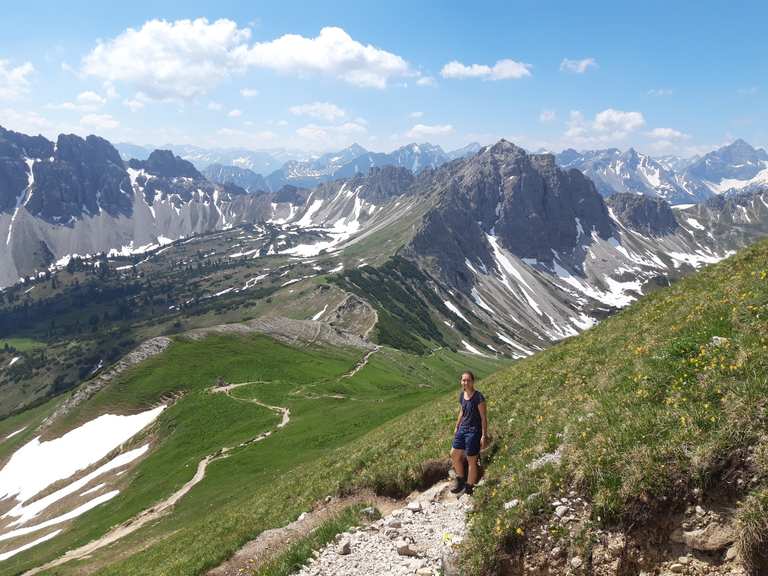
665	77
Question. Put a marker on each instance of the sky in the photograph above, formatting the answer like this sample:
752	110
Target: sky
664	77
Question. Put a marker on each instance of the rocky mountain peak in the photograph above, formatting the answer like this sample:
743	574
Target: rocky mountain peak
291	194
650	216
165	164
93	150
525	201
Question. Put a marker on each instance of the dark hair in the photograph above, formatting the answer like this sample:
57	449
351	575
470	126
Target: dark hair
471	375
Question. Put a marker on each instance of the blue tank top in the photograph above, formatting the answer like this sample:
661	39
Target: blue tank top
470	414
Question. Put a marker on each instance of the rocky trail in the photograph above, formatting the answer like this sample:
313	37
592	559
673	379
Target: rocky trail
415	536
163	507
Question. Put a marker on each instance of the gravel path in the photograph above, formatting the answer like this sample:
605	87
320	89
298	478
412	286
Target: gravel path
416	539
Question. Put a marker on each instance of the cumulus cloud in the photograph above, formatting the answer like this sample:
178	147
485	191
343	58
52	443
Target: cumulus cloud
322	110
235	113
426	130
607	126
184	59
232	137
667	134
136	103
330	136
85	101
547	116
90	98
99	122
503	70
426	81
416	114
248	92
23	121
14	80
577	66
333	52
181	59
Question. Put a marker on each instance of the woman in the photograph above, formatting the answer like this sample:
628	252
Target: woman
470	434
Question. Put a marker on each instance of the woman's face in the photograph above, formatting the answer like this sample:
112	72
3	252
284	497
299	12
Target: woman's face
466	382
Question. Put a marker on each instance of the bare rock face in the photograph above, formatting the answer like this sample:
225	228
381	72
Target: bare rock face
651	216
83	177
530	204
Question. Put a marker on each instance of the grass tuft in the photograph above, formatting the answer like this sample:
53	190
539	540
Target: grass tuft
752	521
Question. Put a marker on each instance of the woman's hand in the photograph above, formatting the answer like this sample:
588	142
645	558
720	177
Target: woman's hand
483	442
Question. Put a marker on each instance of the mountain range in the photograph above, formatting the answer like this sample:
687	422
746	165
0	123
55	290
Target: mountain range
508	249
736	167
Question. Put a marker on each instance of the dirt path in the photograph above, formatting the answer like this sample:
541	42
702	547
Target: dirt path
429	515
361	364
162	508
271	543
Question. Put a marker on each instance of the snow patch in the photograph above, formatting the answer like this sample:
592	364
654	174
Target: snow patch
471	349
455	310
12	434
319	314
37	465
28	545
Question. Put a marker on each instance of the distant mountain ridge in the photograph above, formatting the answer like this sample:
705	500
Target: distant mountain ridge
736	167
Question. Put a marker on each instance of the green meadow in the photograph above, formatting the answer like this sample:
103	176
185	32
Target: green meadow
262	485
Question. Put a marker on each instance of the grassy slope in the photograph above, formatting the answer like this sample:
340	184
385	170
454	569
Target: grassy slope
265	485
642	406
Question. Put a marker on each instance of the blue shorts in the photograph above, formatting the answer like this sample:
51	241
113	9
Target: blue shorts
467	440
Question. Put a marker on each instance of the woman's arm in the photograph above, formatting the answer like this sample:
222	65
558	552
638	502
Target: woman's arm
458	421
484	421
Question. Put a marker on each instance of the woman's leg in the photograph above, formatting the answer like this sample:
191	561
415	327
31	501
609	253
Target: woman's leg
472	460
457	457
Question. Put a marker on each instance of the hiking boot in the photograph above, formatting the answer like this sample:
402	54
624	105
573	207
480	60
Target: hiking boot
469	489
458	485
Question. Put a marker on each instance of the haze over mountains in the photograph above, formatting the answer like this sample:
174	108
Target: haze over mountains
507	238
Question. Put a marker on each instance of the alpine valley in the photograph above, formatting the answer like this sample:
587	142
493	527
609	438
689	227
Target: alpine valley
202	345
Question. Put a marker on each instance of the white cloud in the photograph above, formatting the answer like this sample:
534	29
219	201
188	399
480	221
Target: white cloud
235	113
502	70
85	102
330	136
99	121
14	81
333	52
322	110
170	60
416	114
216	106
136	103
426	81
184	59
248	92
547	116
577	66
90	99
23	121
667	134
425	130
610	125
231	137
661	92
133	104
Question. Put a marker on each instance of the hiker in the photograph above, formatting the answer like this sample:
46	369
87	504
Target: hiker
470	434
